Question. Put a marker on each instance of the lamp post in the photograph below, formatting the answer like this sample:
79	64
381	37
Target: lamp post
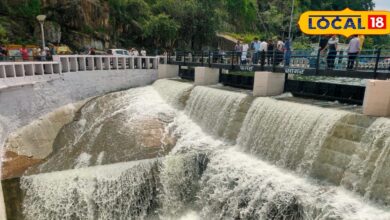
291	20
41	19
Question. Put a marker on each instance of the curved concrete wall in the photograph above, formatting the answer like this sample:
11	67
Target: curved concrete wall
20	105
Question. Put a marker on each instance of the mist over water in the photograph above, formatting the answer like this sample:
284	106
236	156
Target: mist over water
271	172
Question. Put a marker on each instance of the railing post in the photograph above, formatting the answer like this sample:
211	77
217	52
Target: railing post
232	59
209	58
318	61
378	55
274	61
184	56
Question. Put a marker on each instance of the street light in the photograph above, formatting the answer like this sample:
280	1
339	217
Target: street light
291	20
41	19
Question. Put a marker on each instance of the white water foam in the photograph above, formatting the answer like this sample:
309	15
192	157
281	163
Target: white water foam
285	133
213	109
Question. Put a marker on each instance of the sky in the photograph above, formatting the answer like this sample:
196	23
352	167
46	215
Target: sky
382	5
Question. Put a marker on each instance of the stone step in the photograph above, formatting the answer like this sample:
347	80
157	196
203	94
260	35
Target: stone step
358	120
344	146
348	131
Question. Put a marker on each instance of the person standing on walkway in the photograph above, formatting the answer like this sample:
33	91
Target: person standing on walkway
270	52
353	51
255	46
238	50
332	51
263	51
244	54
24	53
279	51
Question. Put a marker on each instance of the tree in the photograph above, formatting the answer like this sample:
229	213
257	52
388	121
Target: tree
3	35
162	29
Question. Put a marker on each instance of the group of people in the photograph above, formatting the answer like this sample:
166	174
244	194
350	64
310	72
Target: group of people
134	52
329	45
3	52
36	54
261	51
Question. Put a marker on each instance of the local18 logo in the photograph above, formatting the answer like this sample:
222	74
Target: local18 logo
346	22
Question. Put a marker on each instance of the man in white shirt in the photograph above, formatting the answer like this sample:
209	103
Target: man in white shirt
279	51
263	51
143	52
245	48
353	51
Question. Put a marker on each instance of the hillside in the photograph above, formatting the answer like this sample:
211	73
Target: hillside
161	23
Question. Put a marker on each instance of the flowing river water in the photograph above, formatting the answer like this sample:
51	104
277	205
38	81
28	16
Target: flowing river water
175	151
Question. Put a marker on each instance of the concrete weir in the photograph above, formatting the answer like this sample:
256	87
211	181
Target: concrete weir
31	90
221	152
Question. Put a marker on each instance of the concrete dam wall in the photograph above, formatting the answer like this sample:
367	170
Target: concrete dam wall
178	151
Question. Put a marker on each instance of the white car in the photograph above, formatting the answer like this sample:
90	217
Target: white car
118	52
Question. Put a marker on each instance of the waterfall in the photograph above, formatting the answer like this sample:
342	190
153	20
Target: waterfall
238	186
189	165
118	191
368	170
285	133
174	92
216	111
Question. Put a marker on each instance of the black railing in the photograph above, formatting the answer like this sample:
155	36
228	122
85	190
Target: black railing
368	64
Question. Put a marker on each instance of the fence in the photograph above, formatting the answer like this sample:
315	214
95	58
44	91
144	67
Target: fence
371	61
75	63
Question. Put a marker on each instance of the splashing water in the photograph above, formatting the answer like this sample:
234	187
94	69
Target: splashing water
215	110
205	177
287	134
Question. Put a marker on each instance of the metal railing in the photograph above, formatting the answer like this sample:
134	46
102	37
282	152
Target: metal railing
372	61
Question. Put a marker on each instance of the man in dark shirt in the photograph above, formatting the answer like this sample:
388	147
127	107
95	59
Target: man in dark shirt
323	42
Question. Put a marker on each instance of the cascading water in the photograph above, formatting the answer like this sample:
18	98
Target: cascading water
287	134
204	177
368	170
174	93
119	191
215	110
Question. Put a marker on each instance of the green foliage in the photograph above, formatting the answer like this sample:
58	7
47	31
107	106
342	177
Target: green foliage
242	13
246	37
29	9
3	35
302	43
162	29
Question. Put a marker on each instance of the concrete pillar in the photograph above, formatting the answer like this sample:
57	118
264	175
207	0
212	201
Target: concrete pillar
48	67
2	71
29	69
377	98
168	71
65	64
114	63
99	63
122	63
91	63
81	62
268	84
106	63
155	63
131	62
147	63
56	67
10	71
206	76
73	64
19	70
38	69
139	63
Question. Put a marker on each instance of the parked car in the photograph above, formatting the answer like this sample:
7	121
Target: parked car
118	52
